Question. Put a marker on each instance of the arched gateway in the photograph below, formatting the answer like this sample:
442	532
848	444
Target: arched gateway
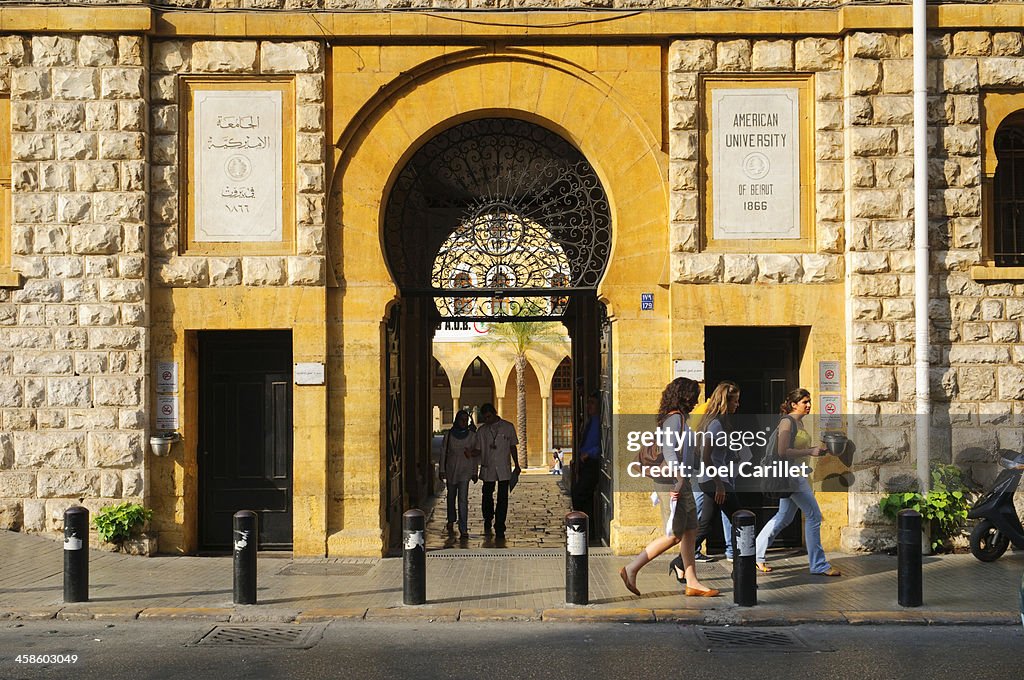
491	219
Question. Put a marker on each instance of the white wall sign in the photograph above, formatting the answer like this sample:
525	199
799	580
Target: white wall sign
694	370
237	150
167	376
309	374
166	412
828	376
830	418
756	163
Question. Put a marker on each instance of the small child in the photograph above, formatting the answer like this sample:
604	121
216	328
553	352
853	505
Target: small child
557	469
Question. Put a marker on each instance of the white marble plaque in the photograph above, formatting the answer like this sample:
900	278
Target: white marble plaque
237	171
756	163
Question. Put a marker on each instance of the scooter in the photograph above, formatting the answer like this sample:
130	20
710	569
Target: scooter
999	525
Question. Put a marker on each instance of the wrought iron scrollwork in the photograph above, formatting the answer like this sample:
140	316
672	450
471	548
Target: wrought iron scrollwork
497	204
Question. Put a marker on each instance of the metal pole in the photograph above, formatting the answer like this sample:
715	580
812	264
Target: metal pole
414	565
577	580
246	541
744	552
76	554
908	548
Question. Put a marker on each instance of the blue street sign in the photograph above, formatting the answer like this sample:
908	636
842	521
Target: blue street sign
646	301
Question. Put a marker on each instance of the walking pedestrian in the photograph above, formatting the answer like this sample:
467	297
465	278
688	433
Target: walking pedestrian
795	442
715	452
556	468
460	455
677	400
498	442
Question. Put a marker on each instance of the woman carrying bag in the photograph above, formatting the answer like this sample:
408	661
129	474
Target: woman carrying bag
460	456
794	441
677	400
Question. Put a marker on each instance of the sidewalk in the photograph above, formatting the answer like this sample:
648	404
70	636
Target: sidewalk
523	582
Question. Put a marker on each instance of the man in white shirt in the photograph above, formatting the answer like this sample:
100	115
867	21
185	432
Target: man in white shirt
498	441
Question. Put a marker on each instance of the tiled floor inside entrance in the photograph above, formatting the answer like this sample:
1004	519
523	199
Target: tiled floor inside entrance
536	517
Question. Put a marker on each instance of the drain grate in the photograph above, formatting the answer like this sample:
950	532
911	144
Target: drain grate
290	636
751	639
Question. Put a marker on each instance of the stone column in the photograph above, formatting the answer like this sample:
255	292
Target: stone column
545	429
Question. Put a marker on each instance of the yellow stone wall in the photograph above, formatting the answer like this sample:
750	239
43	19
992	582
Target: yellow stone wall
398	79
178	313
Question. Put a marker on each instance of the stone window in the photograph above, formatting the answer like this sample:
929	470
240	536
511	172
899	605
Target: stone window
8	278
1002	188
1007	204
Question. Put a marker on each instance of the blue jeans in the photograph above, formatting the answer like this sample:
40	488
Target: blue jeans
804	501
698	497
459	490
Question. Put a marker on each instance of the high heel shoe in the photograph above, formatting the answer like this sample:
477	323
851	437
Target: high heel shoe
676	566
630	585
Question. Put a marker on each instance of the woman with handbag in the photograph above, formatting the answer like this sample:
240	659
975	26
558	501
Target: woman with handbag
460	456
719	492
677	400
795	442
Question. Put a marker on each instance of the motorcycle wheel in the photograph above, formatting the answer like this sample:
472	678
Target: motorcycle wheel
988	543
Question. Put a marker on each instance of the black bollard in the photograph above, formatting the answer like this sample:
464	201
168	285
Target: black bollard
76	554
744	552
414	554
246	541
577	579
908	550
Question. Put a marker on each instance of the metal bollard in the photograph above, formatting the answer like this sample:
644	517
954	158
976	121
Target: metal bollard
76	554
414	554
577	579
246	542
908	550
744	552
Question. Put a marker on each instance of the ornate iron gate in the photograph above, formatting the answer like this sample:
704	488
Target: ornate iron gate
607	480
395	501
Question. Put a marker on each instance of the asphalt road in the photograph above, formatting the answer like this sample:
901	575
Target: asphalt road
547	651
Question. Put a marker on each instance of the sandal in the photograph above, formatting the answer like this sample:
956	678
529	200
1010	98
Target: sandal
763	568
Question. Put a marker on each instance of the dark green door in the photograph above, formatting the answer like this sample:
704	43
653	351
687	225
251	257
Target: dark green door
245	435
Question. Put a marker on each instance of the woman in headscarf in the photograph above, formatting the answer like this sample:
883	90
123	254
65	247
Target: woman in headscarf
460	457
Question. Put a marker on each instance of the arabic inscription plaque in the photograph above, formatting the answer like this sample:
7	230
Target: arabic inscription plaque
237	152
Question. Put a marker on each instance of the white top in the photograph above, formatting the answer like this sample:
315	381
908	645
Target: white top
457	466
496	442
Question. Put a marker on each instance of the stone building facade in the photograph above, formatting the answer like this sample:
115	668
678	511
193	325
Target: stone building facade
105	284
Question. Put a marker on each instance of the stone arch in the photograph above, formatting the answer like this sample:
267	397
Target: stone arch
553	93
585	110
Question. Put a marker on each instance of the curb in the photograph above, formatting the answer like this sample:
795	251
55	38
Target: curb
580	614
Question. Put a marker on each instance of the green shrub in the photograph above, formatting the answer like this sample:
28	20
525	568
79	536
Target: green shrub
116	523
944	508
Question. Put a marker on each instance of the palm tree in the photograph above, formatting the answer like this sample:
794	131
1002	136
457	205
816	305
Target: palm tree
521	336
